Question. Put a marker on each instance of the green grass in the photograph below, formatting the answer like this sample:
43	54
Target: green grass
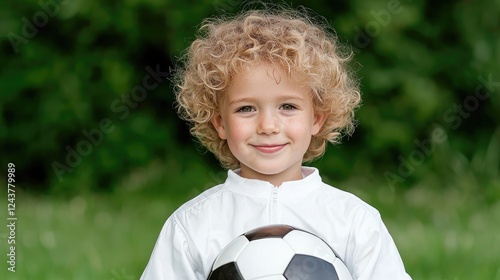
93	237
441	234
447	236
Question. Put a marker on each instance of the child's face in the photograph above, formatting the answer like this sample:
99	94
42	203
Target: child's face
267	120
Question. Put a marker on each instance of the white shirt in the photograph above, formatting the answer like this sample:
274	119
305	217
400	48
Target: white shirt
196	232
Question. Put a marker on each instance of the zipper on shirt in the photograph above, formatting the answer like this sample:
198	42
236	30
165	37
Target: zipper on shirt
274	206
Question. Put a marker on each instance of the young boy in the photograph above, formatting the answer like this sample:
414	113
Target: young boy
265	91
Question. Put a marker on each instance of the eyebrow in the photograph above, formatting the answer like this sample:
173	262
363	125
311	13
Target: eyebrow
283	97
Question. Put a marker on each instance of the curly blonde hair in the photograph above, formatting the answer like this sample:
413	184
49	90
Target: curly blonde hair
308	52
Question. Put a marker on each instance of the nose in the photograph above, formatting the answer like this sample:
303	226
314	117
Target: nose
268	123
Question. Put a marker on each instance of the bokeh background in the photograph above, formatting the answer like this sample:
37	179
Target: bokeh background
101	158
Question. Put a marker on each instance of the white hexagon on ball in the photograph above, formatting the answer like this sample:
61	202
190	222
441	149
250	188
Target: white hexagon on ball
268	257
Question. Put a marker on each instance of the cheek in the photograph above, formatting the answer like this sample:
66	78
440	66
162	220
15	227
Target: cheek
237	130
236	141
300	127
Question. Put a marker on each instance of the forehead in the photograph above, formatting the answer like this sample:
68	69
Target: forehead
266	77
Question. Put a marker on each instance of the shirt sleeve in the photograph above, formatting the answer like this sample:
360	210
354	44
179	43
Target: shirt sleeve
171	257
375	256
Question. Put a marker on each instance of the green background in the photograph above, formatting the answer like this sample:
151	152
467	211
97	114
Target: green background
100	164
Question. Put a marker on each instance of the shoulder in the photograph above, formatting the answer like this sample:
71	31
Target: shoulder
347	202
202	200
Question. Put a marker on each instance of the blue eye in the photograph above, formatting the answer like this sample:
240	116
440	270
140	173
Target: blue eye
245	109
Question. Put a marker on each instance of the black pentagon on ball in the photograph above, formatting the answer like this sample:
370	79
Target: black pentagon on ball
229	271
303	267
278	231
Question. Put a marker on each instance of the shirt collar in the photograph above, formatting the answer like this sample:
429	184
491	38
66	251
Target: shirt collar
291	189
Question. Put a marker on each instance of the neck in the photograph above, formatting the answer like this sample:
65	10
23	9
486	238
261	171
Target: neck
291	174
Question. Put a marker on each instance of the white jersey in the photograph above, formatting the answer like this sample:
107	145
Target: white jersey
194	234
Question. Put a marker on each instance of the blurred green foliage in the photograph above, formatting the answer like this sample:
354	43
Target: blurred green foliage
68	66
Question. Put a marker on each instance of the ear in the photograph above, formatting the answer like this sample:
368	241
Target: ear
319	120
218	124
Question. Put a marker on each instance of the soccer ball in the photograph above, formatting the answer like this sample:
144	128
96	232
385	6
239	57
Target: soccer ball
278	252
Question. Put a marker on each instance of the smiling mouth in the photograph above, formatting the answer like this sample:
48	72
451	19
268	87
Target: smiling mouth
269	149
